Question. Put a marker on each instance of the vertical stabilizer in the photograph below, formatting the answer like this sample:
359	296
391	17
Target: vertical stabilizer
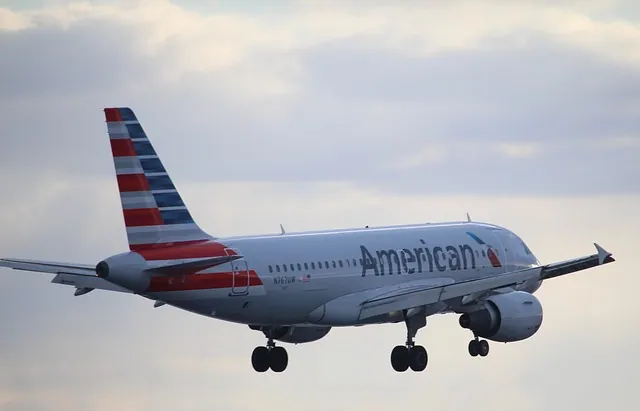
154	213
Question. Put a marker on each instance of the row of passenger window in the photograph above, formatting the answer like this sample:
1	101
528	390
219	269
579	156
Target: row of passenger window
334	264
315	266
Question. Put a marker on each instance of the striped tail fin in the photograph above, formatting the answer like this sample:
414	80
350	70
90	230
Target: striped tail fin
154	214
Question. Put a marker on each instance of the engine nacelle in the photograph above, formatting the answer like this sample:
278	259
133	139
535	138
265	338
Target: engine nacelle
507	317
125	270
294	335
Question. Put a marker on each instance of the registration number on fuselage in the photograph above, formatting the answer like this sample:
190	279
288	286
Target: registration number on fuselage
284	280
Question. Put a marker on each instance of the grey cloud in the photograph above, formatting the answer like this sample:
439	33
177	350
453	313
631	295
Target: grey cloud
360	113
47	61
542	91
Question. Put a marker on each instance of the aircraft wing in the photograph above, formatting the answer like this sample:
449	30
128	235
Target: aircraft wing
407	298
82	276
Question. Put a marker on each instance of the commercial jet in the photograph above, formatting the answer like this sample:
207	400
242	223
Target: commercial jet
294	287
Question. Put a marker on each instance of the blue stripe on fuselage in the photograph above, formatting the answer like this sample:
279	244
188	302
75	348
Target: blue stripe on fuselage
475	237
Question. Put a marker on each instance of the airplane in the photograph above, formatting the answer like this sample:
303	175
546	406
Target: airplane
294	287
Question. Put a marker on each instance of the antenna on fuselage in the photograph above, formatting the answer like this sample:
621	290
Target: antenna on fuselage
282	230
468	218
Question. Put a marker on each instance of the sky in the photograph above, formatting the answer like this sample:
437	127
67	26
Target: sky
318	115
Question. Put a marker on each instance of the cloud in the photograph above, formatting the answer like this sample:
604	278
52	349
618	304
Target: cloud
10	20
329	99
518	150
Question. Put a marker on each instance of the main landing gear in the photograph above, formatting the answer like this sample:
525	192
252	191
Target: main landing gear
478	347
270	356
410	355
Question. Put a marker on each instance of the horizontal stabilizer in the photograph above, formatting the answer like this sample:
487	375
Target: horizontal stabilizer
48	267
192	266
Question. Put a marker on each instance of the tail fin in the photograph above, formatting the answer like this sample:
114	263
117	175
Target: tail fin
154	213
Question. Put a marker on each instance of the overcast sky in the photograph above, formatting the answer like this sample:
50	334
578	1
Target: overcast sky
321	115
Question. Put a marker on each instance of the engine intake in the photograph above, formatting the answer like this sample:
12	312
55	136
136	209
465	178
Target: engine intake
507	317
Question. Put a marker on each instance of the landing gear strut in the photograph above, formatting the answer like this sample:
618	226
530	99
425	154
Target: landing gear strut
478	347
410	355
270	356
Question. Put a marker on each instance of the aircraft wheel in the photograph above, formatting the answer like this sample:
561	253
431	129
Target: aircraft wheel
418	358
473	348
400	358
483	348
278	359
260	359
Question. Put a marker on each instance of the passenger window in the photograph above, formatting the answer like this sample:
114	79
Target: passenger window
313	266
319	265
326	264
355	264
299	267
278	268
292	268
334	263
306	266
270	269
284	267
340	263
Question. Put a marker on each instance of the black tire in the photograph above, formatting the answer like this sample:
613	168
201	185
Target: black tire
260	359
473	348
400	358
278	359
483	348
418	358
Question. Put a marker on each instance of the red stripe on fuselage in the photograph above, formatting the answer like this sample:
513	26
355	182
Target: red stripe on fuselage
112	114
142	217
191	282
133	182
493	258
122	147
182	251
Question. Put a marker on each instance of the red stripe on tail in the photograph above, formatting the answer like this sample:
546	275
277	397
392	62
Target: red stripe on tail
182	251
142	247
122	147
133	182
112	114
142	217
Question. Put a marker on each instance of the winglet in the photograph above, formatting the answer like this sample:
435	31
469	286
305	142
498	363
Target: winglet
603	255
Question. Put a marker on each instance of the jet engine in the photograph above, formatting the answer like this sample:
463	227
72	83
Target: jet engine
507	317
125	270
294	335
